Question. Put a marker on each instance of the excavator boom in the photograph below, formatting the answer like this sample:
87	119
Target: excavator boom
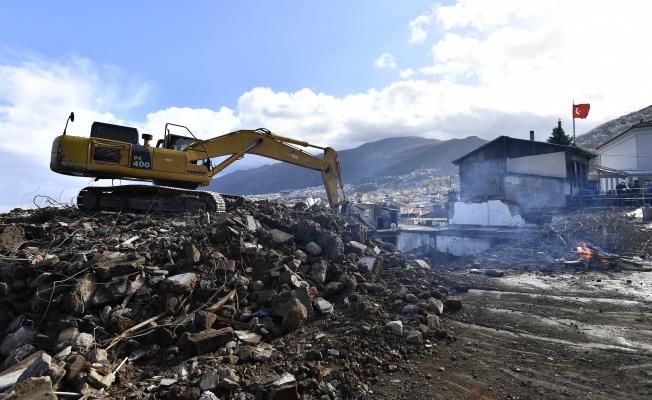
177	165
264	143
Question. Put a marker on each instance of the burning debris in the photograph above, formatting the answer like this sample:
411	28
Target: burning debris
595	239
626	238
616	231
589	255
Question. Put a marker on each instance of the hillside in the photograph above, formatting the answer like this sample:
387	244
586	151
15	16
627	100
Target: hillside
603	133
370	161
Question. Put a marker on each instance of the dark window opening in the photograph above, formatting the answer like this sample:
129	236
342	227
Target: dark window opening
118	133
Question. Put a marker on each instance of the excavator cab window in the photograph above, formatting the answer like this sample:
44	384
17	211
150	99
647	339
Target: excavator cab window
118	133
176	142
206	162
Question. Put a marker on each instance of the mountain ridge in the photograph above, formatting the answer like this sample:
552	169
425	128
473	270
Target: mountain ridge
367	162
602	133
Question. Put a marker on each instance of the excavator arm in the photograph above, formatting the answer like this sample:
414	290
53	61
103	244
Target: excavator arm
264	143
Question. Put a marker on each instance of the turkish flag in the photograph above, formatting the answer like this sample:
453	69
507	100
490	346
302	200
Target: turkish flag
581	110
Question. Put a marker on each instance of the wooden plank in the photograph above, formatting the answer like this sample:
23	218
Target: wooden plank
239	324
133	329
221	302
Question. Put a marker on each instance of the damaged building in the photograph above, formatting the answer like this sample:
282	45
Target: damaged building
512	181
506	186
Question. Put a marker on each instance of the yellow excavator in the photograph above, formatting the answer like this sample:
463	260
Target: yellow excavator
176	166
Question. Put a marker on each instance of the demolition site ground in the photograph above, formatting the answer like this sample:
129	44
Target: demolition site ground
268	303
532	335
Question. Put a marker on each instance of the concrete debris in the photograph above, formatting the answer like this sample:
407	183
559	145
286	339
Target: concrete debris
38	368
34	388
295	316
284	387
435	306
14	340
323	306
396	327
258	302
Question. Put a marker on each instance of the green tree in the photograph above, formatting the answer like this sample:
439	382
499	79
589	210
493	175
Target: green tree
558	136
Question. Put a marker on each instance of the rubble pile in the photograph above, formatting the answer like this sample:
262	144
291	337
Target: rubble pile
615	231
260	302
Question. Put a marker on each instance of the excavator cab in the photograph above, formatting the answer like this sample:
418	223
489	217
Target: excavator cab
179	143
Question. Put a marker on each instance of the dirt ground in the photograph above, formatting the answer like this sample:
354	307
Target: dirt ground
563	333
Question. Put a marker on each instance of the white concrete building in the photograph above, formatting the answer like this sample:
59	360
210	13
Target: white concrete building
628	155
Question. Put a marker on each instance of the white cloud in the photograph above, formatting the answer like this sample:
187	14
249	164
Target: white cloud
482	16
406	73
203	123
385	61
413	107
540	55
419	28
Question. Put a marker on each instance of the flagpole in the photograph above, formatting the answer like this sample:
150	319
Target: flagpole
573	121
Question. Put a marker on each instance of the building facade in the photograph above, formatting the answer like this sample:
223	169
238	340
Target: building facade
627	156
531	175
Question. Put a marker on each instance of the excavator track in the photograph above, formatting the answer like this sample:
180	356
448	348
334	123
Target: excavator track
146	198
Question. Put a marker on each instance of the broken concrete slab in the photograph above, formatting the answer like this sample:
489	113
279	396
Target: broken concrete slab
284	387
280	237
247	337
181	283
15	340
99	378
38	367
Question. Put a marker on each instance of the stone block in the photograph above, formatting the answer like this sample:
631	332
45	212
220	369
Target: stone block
323	306
209	340
34	388
280	237
453	302
181	283
15	340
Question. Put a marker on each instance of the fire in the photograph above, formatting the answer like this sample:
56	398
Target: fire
585	253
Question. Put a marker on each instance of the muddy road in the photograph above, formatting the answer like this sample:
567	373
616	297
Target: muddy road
571	334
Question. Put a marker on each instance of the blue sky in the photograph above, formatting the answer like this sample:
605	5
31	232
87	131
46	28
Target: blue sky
334	73
206	54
